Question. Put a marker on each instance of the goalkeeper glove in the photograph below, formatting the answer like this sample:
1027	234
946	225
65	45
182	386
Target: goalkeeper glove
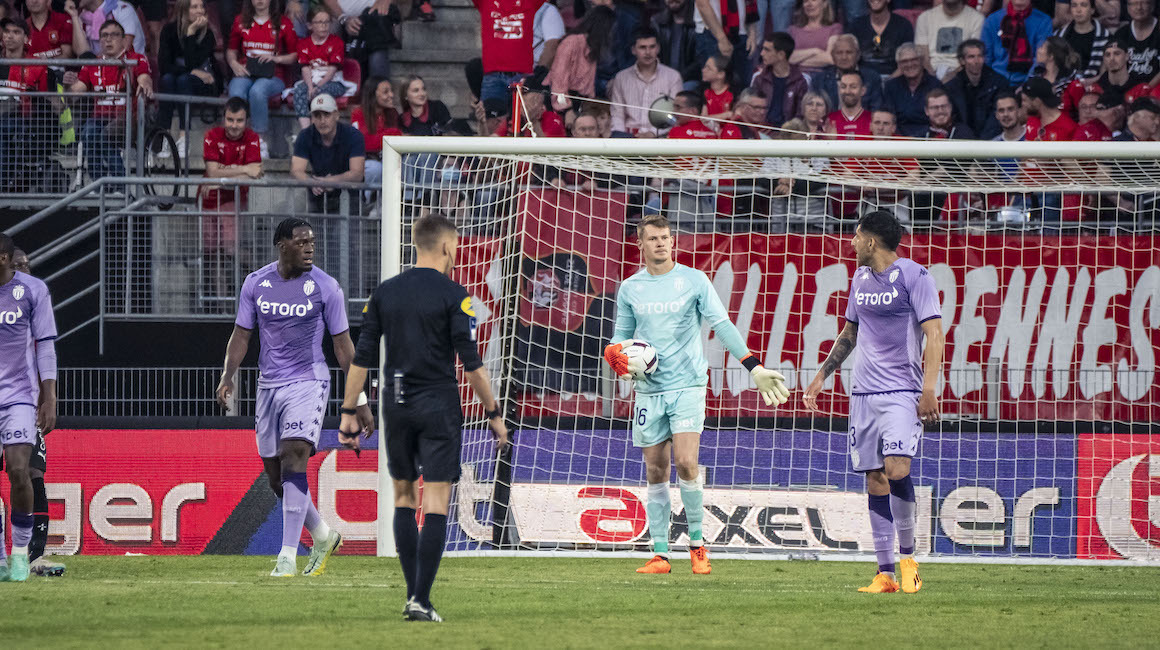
618	360
771	385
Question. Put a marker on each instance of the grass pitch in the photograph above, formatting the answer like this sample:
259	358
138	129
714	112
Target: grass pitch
220	601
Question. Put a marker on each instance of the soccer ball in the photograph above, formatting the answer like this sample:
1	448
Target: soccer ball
638	349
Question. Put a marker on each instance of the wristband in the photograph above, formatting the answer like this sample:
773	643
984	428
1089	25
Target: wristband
362	399
750	362
494	413
346	411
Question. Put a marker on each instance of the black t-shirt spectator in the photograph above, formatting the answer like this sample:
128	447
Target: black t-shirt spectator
430	122
333	159
1133	81
1143	54
878	49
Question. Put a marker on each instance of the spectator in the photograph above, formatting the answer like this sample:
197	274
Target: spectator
905	95
750	110
321	56
261	40
333	151
676	37
688	106
1142	40
879	34
603	115
941	116
1007	116
230	151
507	28
815	108
376	117
535	119
1045	120
635	88
547	32
377	29
1012	36
780	81
186	62
574	67
813	32
973	89
629	20
1091	128
1086	36
420	115
104	132
155	13
87	16
717	92
845	53
50	34
851	119
883	124
1111	110
1057	62
729	29
940	30
1143	121
1118	74
585	126
22	118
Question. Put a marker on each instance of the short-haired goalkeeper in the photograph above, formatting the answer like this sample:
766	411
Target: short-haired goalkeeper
893	302
665	304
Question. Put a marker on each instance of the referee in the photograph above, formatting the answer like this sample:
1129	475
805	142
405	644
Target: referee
427	319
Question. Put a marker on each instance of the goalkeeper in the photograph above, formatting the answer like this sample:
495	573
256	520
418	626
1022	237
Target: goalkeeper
665	305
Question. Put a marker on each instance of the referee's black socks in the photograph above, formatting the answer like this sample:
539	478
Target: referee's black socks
39	520
407	545
431	541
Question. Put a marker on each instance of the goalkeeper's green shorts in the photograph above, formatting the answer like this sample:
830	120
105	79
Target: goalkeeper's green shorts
655	418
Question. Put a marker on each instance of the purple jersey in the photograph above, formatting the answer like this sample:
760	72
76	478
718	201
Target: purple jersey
25	319
889	309
290	316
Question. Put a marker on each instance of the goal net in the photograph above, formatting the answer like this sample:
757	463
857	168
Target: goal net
1046	260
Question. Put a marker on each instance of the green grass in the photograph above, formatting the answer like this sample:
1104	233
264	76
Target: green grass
218	601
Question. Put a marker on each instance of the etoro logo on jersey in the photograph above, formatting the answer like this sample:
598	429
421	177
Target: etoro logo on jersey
284	308
10	317
878	298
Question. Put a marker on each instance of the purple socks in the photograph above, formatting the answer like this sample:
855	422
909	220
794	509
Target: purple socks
902	508
295	505
882	526
21	530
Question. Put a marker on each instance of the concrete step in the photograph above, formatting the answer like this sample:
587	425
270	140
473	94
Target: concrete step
437	4
452	15
432	56
455	35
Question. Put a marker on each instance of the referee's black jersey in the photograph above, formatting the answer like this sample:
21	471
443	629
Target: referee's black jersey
426	318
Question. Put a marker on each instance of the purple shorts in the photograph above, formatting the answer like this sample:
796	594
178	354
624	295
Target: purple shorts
290	412
17	425
886	424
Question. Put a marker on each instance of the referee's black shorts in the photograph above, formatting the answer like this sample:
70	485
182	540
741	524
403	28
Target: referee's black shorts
39	458
425	435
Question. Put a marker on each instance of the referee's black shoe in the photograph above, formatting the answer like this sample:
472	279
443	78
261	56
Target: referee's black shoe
417	612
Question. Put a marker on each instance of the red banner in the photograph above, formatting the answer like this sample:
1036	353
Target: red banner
1118	497
1067	326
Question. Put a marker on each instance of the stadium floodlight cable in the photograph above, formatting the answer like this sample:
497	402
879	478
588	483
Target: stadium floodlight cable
1032	301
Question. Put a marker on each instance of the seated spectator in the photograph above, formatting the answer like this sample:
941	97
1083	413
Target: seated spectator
1008	117
973	89
377	28
1091	128
332	150
635	88
22	118
1086	36
1143	116
813	32
781	82
507	29
1141	39
574	66
535	119
845	54
1011	37
716	90
603	115
1056	62
261	40
905	95
879	34
230	150
676	37
939	31
1045	119
104	132
186	62
851	119
883	124
750	110
1111	111
376	117
50	34
629	20
420	115
547	32
815	108
1118	74
321	56
87	16
585	126
941	116
688	106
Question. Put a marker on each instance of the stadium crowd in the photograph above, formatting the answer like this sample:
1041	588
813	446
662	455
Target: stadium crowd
998	70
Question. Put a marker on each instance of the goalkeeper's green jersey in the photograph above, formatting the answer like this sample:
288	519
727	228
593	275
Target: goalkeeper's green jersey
668	312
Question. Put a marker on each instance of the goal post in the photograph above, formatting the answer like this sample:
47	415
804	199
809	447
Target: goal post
1048	269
